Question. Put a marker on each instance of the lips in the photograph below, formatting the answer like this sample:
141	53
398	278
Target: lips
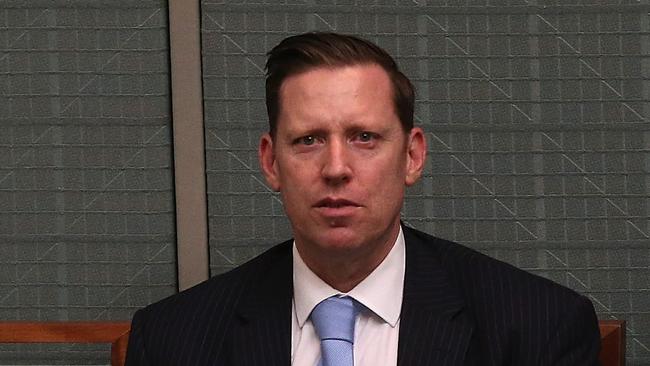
335	203
336	208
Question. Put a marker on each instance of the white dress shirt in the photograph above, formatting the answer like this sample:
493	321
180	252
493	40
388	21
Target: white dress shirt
376	331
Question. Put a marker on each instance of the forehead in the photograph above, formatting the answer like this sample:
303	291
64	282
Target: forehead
327	81
355	97
366	73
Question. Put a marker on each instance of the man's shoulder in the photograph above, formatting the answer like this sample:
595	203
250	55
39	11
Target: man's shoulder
476	272
517	317
201	317
225	289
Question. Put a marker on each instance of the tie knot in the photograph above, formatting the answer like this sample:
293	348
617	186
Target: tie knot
334	318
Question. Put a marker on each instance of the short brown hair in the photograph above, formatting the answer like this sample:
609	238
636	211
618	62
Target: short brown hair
303	52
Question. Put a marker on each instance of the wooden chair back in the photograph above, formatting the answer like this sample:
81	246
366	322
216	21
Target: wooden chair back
115	333
612	340
612	336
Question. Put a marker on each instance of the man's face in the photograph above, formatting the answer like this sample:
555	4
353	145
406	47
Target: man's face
341	160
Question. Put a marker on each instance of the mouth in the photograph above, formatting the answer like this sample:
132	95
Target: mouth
335	203
336	212
335	209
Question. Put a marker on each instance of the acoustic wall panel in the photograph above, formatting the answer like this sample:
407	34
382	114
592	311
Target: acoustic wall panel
86	196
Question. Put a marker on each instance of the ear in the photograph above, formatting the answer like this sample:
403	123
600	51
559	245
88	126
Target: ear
416	152
266	156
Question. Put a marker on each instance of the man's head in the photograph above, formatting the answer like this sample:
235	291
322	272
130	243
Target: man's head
300	53
341	156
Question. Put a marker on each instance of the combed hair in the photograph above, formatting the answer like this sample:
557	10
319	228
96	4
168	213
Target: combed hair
304	52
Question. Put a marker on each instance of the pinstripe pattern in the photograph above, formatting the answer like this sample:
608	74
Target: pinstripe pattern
239	318
460	308
464	308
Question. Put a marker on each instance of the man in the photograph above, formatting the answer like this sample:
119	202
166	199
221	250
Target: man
341	149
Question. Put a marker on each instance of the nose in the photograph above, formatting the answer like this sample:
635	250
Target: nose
336	168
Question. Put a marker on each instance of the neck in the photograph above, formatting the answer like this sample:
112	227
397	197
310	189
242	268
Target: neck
345	269
343	277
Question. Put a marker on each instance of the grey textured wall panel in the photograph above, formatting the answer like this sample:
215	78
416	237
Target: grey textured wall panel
536	115
86	199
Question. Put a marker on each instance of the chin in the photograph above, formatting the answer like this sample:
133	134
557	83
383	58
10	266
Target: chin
333	237
340	239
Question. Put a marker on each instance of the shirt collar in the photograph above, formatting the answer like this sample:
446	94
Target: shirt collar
381	291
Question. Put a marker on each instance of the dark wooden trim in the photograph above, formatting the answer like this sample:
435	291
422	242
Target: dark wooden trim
612	339
115	333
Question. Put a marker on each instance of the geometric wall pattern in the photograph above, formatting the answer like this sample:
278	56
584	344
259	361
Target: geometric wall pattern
537	117
536	114
86	190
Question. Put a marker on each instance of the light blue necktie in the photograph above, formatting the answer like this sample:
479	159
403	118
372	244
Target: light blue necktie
333	319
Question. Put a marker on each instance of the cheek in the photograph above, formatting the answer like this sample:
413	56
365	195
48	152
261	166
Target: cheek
387	179
295	176
296	180
387	168
289	170
379	182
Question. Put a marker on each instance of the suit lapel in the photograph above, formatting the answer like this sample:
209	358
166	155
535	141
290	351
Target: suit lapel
262	333
434	330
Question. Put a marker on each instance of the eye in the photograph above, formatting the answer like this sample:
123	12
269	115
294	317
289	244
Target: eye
365	136
307	140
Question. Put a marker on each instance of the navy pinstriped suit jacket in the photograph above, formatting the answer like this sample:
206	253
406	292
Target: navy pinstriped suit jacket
459	308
